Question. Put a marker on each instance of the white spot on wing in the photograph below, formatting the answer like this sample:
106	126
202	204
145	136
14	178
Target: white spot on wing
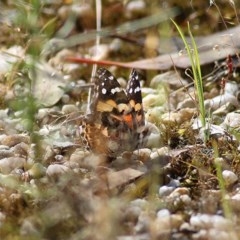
104	91
114	90
138	89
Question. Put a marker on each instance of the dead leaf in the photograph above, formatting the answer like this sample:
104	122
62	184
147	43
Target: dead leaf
120	178
211	48
47	85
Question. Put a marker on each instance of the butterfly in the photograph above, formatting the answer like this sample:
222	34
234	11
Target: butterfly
116	121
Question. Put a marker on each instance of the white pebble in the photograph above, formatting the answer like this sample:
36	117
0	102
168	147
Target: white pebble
229	177
207	221
9	164
165	191
163	213
56	170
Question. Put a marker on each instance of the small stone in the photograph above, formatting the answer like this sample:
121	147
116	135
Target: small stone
179	191
165	191
159	152
136	7
99	52
229	177
206	221
65	98
143	154
179	117
13	140
37	171
165	224
44	131
174	183
6	152
232	120
7	165
132	213
142	203
163	213
42	113
77	156
154	114
186	103
69	108
152	100
28	229
21	149
171	78
55	171
143	223
220	100
231	88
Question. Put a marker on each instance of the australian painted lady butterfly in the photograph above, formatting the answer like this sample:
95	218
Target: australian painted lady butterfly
116	120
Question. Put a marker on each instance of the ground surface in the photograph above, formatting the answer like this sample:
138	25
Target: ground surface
183	184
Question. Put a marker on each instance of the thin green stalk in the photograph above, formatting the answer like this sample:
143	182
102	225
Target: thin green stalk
225	203
193	54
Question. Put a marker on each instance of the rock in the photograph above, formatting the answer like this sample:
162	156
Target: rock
179	197
159	152
139	202
143	223
6	152
152	100
154	114
163	213
14	139
213	234
132	213
143	153
224	110
77	156
179	117
135	8
55	171
229	177
165	191
7	165
206	221
8	57
186	103
29	229
21	149
164	224
220	100
69	108
37	171
99	52
231	88
171	78
232	120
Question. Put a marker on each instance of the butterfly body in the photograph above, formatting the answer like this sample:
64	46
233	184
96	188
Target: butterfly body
116	120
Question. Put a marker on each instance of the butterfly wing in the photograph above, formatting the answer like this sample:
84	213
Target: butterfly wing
108	93
134	95
116	122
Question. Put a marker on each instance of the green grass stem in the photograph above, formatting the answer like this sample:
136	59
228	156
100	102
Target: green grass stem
193	54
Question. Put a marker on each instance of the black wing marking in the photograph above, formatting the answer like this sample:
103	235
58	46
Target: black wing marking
134	88
134	95
108	88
